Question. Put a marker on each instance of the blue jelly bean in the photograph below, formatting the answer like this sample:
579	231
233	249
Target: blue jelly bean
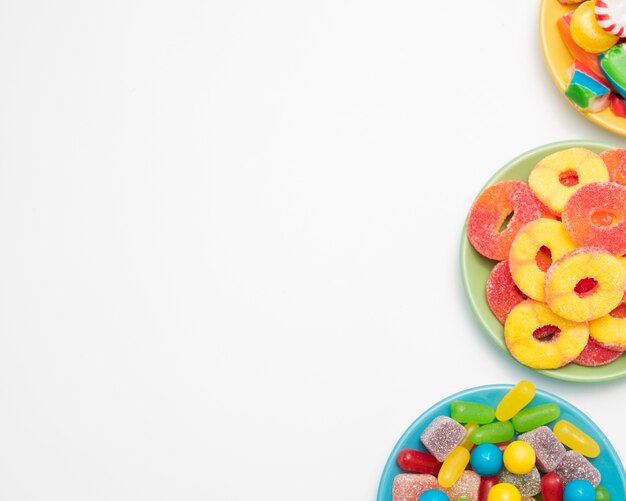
579	490
434	495
486	460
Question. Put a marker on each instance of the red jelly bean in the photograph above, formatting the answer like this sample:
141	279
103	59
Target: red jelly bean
552	487
502	445
418	462
502	293
486	483
487	227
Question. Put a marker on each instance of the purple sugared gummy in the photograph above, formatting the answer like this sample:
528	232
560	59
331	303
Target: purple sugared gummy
465	487
441	436
528	484
410	486
549	451
574	466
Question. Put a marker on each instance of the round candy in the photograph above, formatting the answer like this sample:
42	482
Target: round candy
611	16
596	354
486	460
602	494
579	490
539	338
532	252
555	178
595	216
615	161
433	495
489	214
519	457
610	330
585	284
586	31
504	492
502	293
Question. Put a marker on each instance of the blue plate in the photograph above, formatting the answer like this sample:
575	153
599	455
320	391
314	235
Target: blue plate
608	463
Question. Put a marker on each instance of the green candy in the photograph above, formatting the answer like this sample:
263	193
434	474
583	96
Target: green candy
534	417
602	494
470	412
493	433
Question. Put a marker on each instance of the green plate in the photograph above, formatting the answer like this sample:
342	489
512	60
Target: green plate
475	271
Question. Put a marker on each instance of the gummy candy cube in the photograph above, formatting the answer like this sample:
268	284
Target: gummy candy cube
575	466
442	436
465	487
549	451
409	486
528	484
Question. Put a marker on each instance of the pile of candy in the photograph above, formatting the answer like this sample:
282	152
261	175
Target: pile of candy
475	455
560	239
591	33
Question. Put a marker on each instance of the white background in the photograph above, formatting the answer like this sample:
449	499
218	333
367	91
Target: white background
229	237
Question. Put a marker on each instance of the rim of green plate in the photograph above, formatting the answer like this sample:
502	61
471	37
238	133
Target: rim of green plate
474	288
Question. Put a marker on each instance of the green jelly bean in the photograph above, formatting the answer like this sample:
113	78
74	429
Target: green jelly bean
534	417
470	412
501	431
602	494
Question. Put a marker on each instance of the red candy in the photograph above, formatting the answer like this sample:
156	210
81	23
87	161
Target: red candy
490	211
595	215
595	354
418	462
615	161
486	483
502	293
552	487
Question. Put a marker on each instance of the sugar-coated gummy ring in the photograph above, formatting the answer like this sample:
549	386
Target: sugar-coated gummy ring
615	161
555	178
610	330
502	293
596	354
490	211
526	269
585	284
527	320
596	216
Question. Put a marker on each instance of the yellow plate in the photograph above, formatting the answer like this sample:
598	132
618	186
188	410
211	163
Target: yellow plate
558	59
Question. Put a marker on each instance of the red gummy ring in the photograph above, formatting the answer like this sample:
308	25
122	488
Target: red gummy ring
502	293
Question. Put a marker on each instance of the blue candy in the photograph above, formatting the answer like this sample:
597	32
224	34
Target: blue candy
434	495
579	490
486	460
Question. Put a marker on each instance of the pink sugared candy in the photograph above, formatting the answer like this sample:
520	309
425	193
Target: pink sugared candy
502	293
410	486
465	487
490	211
595	216
575	466
595	354
442	436
615	161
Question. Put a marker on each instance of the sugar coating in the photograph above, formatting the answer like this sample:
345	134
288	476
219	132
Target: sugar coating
549	451
465	487
596	354
528	484
441	436
610	330
501	291
575	466
615	161
409	486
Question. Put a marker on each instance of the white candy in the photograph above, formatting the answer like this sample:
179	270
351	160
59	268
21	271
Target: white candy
611	16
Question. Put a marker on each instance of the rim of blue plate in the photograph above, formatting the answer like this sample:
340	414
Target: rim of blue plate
607	457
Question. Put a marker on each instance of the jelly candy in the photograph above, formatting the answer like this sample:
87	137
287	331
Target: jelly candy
586	90
409	486
528	484
486	483
576	439
596	354
442	436
602	494
502	293
467	441
519	457
465	487
486	459
579	490
612	65
453	466
586	31
575	466
471	412
493	433
549	451
515	400
434	495
534	417
418	462
552	487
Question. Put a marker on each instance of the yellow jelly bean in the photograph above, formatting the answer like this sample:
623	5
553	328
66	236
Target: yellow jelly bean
515	400
504	492
453	466
586	31
576	439
467	441
519	457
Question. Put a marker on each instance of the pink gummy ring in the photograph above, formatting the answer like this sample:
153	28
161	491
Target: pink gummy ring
611	16
502	293
490	211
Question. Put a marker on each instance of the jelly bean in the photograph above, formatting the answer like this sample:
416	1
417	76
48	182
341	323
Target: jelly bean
602	494
418	462
515	400
453	466
504	492
434	495
519	457
471	412
576	439
579	490
503	445
486	483
467	441
552	487
534	417
486	459
493	433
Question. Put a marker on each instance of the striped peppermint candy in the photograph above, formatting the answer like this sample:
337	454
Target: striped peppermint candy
611	16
